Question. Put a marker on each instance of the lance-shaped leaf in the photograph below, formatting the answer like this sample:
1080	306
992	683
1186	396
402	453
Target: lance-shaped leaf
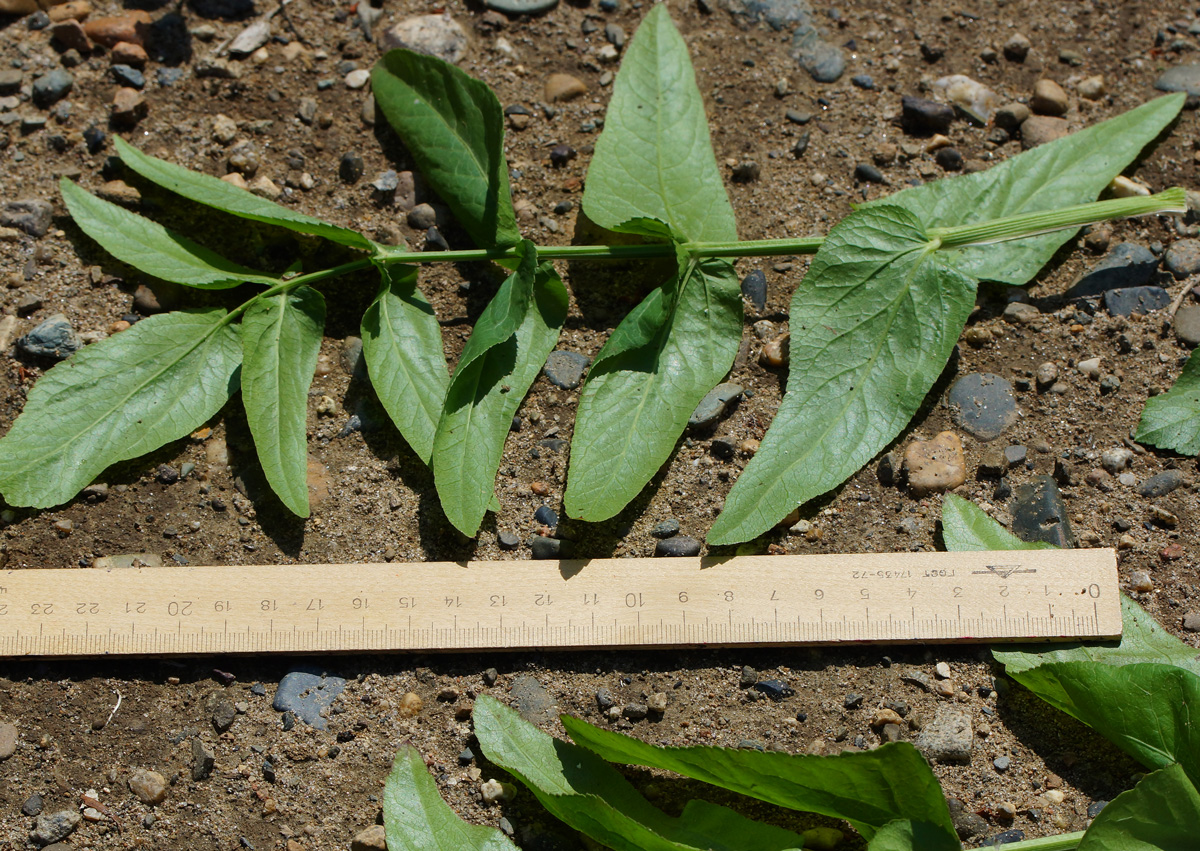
1067	171
867	789
281	338
118	399
654	158
453	126
914	836
1159	814
416	818
208	190
873	324
647	380
592	796
511	340
966	526
150	247
1172	420
402	344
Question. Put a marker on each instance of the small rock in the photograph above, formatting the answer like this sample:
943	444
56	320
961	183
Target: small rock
714	405
203	760
1127	265
564	369
1187	325
128	107
127	75
1115	460
33	805
493	791
422	217
824	62
867	173
1183	257
8	740
223	716
435	35
1011	116
1161	484
1191	621
853	701
357	78
251	38
1040	129
149	786
545	548
1092	88
983	404
1016	48
507	540
679	546
1048	98
657	702
967	824
410	705
1180	78
350	168
935	465
532	701
1141	582
70	35
950	159
54	338
754	289
564	87
31	215
1001	763
132	27
1039	514
1020	313
50	88
373	838
1046	375
306	693
635	711
774	689
665	529
972	97
128	53
55	827
1127	301
948	738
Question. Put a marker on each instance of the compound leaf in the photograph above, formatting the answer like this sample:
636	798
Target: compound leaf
402	344
1071	170
872	326
1159	814
654	158
1172	420
647	380
453	126
416	818
212	192
281	339
150	247
511	340
117	399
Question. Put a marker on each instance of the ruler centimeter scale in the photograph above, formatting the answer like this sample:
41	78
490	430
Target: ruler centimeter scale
597	603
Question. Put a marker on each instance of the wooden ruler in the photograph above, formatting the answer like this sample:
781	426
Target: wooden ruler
511	605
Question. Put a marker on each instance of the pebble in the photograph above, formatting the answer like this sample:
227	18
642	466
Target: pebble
563	87
507	540
1046	375
967	823
824	62
1115	460
521	7
922	117
1126	265
754	289
1011	116
1040	129
714	404
1127	301
150	787
50	88
545	548
863	81
373	838
564	369
128	107
55	827
950	159
53	338
127	75
127	53
8	740
490	676
1048	98
935	465
665	528
1039	514
1017	48
357	78
251	38
1183	257
410	705
306	693
70	34
435	35
1180	78
532	701
203	760
971	96
1001	763
635	711
546	516
1161	484
777	352
942	669
33	805
350	168
1020	313
853	701
679	546
774	689
657	702
223	716
493	791
422	217
131	27
1187	325
1004	837
1140	581
867	173
982	404
948	738
1092	88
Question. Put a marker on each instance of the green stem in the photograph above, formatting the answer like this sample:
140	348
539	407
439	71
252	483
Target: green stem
299	281
1062	842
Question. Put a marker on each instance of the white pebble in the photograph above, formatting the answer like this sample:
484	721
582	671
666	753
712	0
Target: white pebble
357	79
1090	367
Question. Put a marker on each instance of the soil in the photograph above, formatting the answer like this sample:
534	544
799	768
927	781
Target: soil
374	501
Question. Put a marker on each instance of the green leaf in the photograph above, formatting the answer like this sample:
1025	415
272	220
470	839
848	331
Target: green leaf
208	190
511	340
966	526
453	126
654	158
281	338
1142	708
1068	171
1159	814
402	344
867	789
150	247
647	380
1172	420
417	819
1142	640
117	399
591	796
914	836
873	324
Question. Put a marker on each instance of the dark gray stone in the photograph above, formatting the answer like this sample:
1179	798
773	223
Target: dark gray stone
665	528
1095	807
853	701
1039	513
949	159
564	369
33	805
921	117
863	81
1183	257
223	716
350	169
203	760
1014	455
490	676
127	75
723	448
823	62
305	693
948	737
532	701
1161	484
1004	837
466	756
713	406
604	698
1180	78
680	546
31	215
53	338
53	827
49	89
635	711
774	689
614	34
1001	763
1187	325
1127	301
10	81
967	823
1126	265
546	516
544	547
779	14
749	677
508	540
983	404
867	173
754	288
